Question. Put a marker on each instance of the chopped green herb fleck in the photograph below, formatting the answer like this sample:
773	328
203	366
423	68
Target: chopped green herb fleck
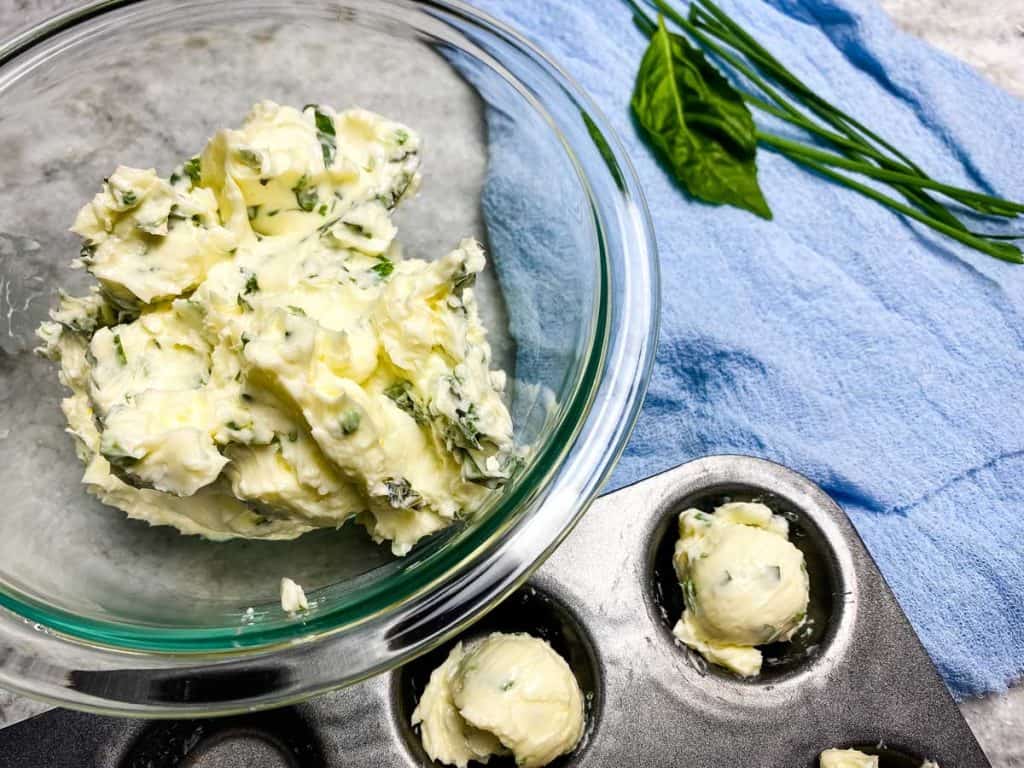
508	465
384	268
251	284
403	397
507	685
401	495
324	133
401	136
193	169
350	421
128	197
118	456
306	196
293	435
251	158
296	310
245	305
462	280
690	594
252	211
119	349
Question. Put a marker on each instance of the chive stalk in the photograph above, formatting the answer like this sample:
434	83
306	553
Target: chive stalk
848	144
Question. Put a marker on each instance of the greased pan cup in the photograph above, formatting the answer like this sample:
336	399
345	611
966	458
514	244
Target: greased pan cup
108	614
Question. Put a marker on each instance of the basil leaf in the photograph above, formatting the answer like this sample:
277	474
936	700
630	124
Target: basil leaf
699	122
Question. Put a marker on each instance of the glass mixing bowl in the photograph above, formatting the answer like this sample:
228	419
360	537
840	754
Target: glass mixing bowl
100	612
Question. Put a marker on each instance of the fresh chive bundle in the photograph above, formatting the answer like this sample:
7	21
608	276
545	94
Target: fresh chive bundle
688	110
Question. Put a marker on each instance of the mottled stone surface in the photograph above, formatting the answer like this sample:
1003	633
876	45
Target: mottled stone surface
987	34
990	36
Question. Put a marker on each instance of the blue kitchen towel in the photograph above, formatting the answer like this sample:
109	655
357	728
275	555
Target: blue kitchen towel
878	358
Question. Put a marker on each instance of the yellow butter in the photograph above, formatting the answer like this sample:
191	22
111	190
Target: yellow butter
259	360
743	581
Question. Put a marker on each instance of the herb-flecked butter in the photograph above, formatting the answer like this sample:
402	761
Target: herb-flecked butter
258	360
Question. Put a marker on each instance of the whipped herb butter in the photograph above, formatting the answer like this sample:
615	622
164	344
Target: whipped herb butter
743	581
504	694
258	360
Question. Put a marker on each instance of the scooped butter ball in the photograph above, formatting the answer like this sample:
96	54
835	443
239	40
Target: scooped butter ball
854	758
847	758
504	694
744	584
446	736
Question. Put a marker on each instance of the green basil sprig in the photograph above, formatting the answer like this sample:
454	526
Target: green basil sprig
699	122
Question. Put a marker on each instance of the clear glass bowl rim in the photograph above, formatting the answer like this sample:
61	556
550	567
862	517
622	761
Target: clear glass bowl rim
499	555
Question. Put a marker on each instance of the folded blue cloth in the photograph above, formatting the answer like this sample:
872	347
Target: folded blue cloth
882	360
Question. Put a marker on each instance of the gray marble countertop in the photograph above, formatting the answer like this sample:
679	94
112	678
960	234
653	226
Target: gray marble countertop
989	35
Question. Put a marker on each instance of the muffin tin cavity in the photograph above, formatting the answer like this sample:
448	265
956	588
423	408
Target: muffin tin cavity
780	659
887	756
270	739
527	610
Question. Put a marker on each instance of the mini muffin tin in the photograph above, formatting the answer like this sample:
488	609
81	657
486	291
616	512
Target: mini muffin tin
607	600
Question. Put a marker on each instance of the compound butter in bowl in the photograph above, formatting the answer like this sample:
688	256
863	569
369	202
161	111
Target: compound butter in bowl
382	334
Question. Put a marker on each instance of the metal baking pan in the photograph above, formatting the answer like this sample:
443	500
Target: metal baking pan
607	600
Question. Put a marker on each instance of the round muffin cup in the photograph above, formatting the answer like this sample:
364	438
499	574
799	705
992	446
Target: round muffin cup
531	611
823	570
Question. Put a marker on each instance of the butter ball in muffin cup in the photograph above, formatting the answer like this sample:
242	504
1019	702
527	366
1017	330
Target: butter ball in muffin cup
744	584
